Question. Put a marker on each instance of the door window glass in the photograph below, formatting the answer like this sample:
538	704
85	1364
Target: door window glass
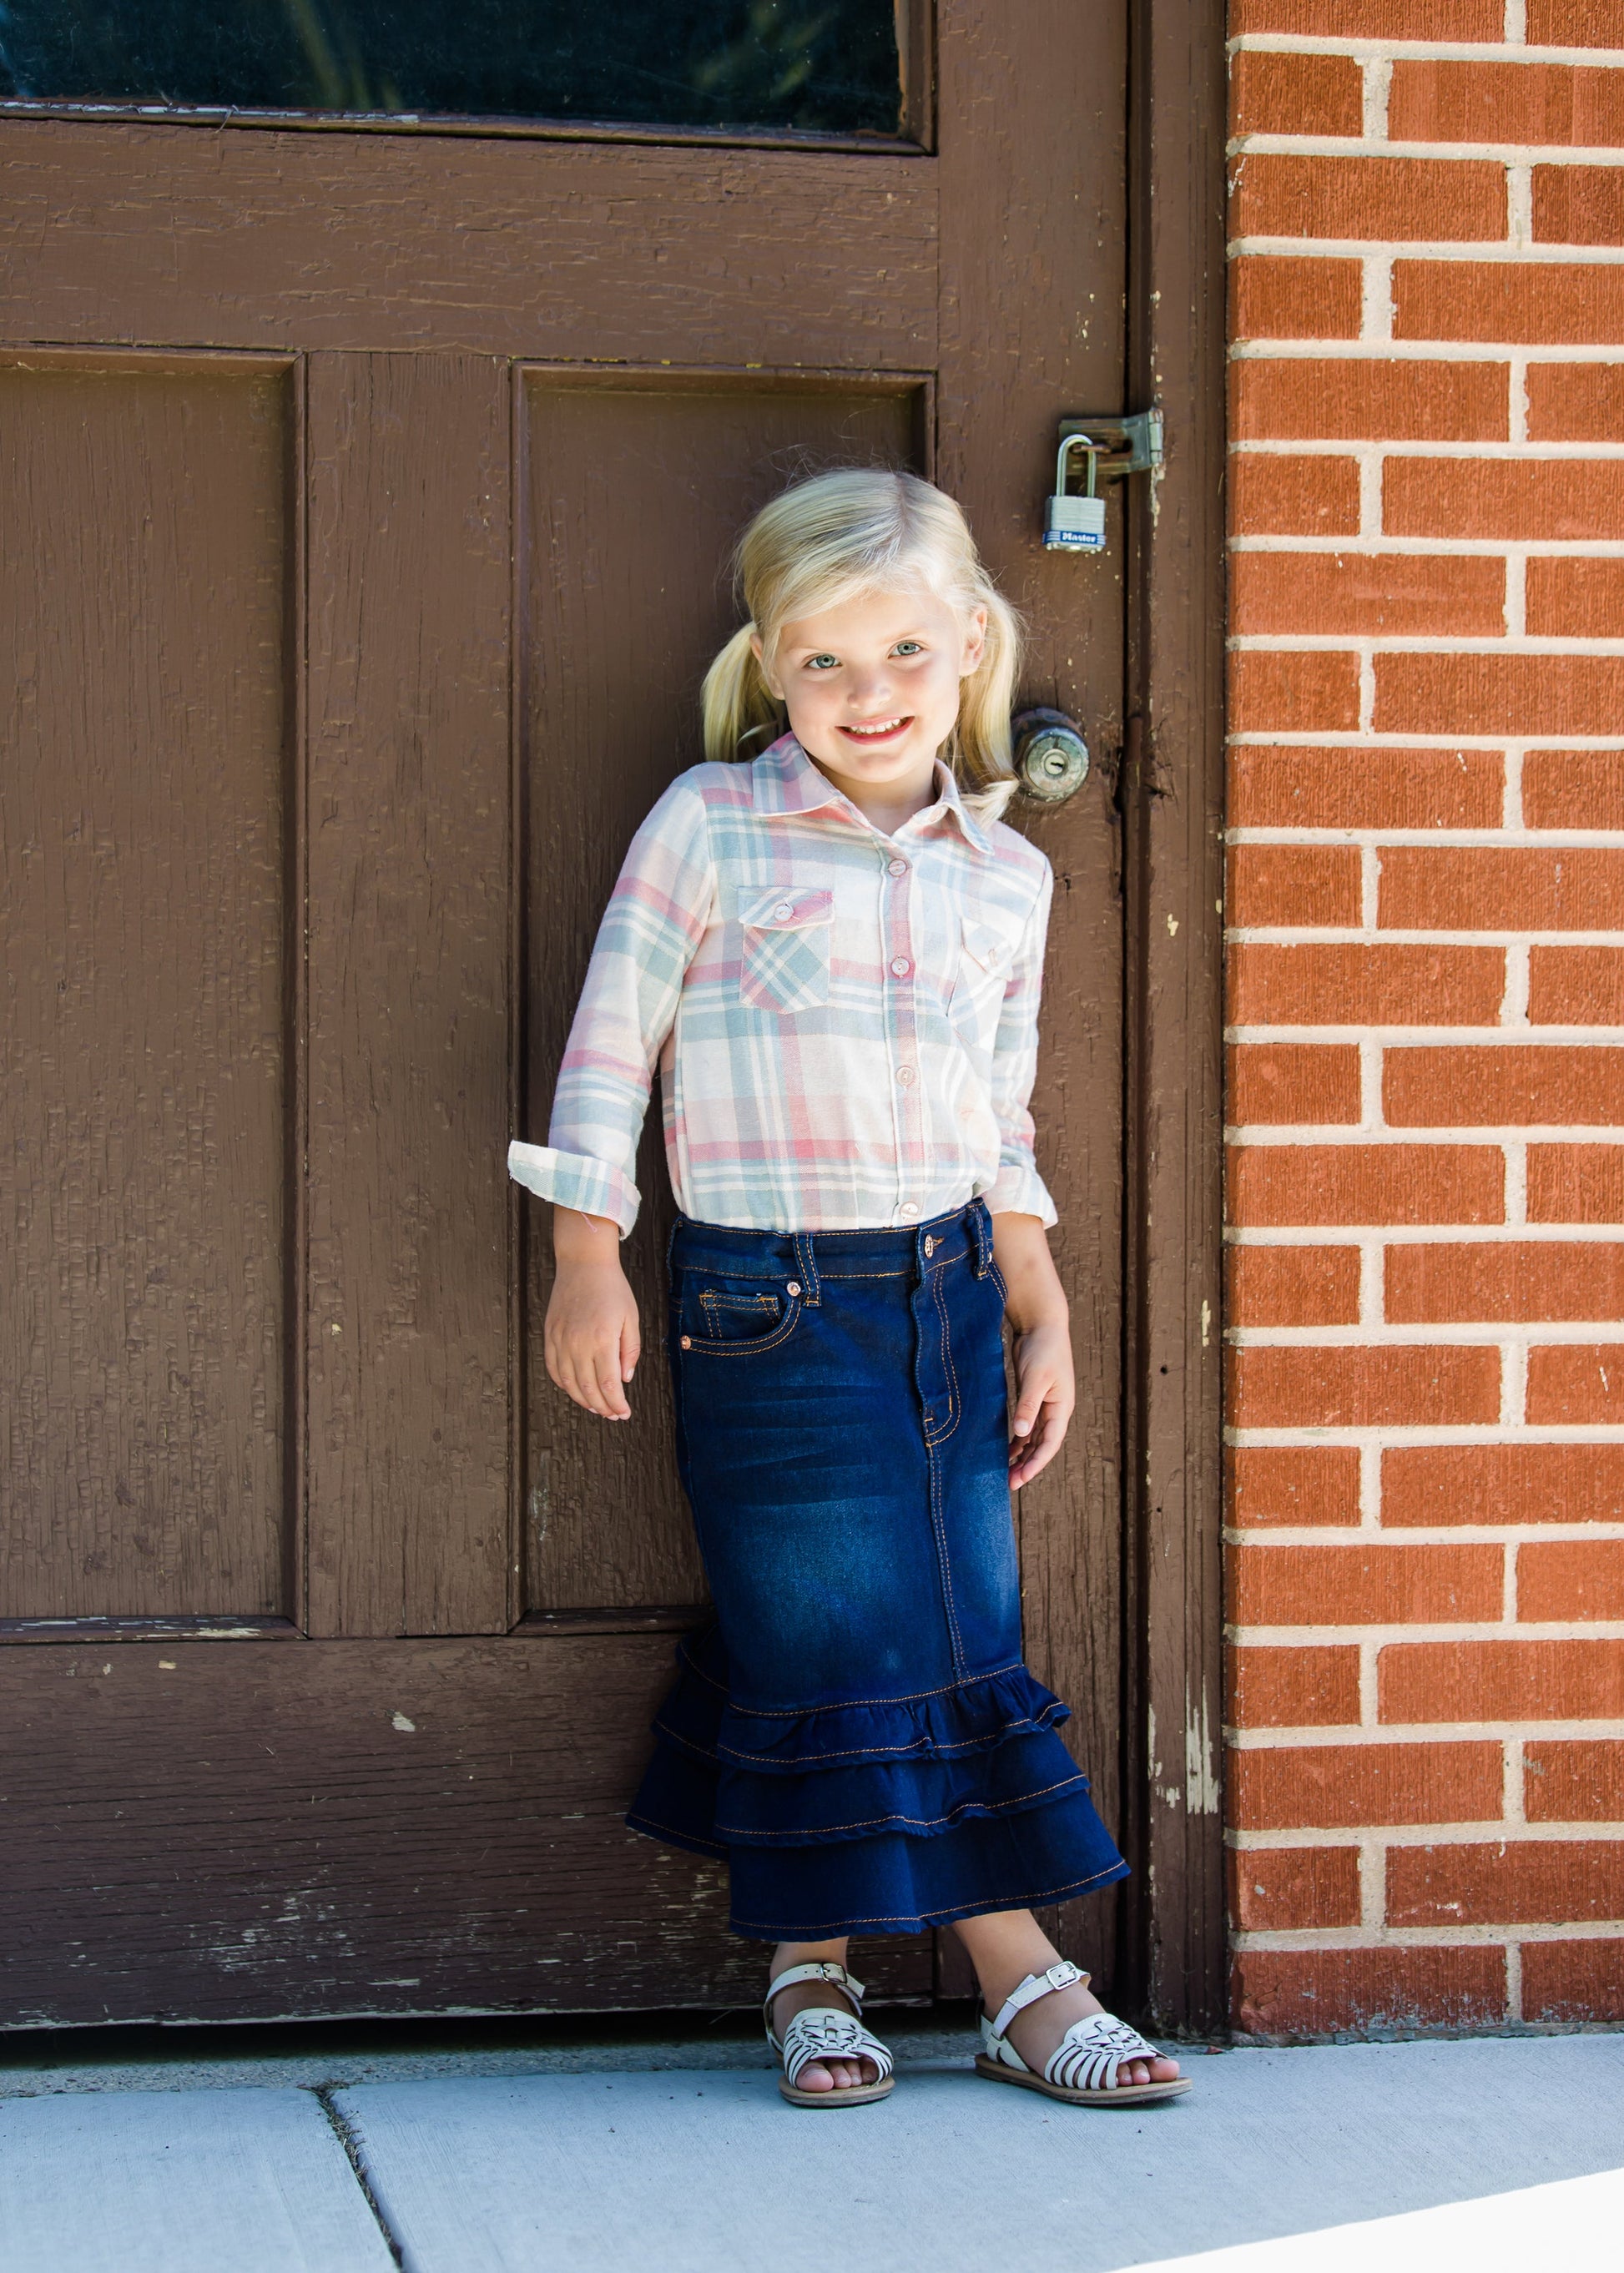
825	65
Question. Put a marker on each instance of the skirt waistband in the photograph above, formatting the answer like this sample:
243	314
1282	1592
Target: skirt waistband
817	1254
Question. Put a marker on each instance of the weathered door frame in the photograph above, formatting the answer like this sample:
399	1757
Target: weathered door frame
1172	808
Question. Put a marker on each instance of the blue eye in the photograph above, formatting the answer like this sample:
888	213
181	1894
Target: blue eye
822	662
909	647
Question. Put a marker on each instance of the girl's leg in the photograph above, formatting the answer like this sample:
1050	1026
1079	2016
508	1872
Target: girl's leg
1004	1947
817	2075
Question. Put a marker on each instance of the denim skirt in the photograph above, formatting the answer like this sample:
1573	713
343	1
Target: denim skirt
856	1731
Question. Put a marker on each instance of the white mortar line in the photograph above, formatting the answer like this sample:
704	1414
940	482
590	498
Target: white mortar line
1514	1006
1372	1883
1517	1187
1514	1983
1478	1833
1377	76
1520	202
1375	300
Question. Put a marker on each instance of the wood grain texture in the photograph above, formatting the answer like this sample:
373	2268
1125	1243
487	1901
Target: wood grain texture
144	571
634	497
409	1526
1173	808
600	252
227	1832
1031	122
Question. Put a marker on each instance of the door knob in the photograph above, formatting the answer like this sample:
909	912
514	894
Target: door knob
1051	757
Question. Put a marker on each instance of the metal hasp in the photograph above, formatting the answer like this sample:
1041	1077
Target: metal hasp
1113	447
1051	757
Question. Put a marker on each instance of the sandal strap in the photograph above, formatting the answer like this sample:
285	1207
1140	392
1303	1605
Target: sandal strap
1089	2055
824	1969
822	2033
1063	1974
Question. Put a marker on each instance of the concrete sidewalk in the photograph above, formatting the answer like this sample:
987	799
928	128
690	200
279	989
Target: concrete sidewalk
1496	2153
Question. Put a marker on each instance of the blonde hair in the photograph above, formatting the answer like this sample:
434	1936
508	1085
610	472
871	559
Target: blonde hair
829	539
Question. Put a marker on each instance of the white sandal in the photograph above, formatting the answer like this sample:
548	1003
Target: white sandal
824	2032
1084	2065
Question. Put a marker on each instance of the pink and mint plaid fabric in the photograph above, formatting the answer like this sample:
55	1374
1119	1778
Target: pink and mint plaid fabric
845	1023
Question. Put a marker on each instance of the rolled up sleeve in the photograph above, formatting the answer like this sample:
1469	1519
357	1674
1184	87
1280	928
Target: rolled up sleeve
1018	1189
655	918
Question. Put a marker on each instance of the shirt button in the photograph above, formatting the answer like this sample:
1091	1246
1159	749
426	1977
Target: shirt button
896	867
783	911
900	965
908	1207
905	1075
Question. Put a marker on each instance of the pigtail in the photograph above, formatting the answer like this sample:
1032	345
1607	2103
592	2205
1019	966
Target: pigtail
736	703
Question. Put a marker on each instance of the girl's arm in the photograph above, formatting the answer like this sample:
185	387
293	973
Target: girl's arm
1045	1388
593	1340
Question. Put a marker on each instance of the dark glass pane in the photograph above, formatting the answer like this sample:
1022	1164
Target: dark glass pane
821	64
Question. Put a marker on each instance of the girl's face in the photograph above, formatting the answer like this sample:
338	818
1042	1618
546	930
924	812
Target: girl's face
872	686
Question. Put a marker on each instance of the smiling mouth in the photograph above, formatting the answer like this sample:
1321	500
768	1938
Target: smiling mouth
881	730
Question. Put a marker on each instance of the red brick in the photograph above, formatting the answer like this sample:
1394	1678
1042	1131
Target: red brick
1353	986
1512	1086
1282	1889
1291	1084
1520	1882
1575	23
1581	1783
1499	693
1299	398
1576	986
1501	888
1292	1586
1302	692
1305	1994
1573	1981
1296	94
1272	1186
1331	1787
1388	200
1300	788
1294	1688
1437	1484
1293	1285
1575	1183
1285	296
1570	1579
1429	1681
1372	20
1573	789
1570	1384
1522	1281
1280	496
1390	593
1401	1387
1579	205
1504	498
1575	401
1543	303
1470	102
1575	599
1292	884
1292	1483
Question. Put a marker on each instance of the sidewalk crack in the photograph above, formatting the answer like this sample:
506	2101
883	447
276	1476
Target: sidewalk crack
348	2139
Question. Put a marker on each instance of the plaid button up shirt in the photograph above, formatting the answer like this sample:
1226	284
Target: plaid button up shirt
845	1023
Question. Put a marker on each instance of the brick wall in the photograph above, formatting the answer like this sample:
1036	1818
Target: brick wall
1426	975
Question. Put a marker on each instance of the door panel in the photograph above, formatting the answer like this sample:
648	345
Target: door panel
635	490
144	611
409	950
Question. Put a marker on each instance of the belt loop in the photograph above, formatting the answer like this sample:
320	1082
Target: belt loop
980	1231
806	1263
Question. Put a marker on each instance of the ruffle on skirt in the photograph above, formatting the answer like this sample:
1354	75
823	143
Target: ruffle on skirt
882	1817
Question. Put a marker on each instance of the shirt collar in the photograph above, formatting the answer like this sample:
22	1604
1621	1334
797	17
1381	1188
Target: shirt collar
785	780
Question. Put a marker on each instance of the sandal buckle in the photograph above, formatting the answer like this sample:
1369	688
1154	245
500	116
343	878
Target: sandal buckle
1063	1974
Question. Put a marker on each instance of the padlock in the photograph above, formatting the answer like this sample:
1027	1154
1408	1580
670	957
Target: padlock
1075	524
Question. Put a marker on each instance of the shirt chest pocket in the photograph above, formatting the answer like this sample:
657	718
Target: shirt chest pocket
985	958
784	958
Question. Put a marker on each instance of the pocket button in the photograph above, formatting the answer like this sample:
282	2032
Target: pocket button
783	911
793	1286
687	1341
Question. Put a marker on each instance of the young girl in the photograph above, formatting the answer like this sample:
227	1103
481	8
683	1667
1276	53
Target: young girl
833	949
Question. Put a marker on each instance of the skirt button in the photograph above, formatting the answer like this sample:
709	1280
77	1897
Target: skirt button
687	1342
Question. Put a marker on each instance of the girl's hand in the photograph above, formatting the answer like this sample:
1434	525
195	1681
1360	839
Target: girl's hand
592	1340
1045	1387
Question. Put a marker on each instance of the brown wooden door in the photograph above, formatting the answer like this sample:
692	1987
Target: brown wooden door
366	496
